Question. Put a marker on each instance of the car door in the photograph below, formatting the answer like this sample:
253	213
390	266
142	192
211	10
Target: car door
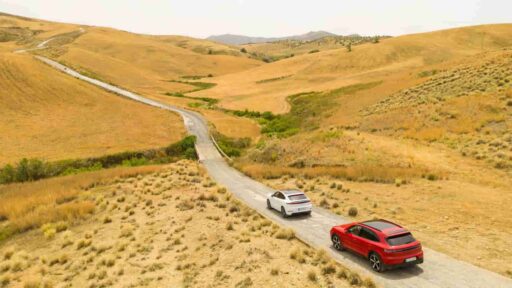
276	200
366	240
351	239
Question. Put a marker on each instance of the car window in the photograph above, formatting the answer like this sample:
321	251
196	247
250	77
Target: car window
355	230
400	239
279	195
297	197
368	234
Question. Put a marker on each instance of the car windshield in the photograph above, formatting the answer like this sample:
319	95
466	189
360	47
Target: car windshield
298	197
400	239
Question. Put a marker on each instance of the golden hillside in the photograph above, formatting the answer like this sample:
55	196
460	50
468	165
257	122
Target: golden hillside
266	87
52	116
49	115
145	63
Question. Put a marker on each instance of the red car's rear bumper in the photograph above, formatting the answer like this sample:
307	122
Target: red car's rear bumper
401	261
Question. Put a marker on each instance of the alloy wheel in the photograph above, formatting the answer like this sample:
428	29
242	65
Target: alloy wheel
336	242
375	262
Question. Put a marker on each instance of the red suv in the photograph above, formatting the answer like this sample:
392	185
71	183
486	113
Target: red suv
385	244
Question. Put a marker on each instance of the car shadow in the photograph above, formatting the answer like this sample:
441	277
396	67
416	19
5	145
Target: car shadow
392	274
294	217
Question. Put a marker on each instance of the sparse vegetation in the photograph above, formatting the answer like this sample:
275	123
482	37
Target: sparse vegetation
34	169
166	230
307	109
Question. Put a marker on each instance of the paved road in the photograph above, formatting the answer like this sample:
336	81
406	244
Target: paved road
438	270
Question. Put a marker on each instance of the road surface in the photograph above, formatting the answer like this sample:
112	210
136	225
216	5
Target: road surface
438	270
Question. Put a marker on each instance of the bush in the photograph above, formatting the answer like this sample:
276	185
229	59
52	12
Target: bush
287	234
232	146
312	276
274	271
352	212
314	51
354	279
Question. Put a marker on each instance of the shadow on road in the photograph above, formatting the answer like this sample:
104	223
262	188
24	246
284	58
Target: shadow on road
394	274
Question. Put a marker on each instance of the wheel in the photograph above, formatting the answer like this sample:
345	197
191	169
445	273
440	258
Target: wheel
336	243
376	262
308	213
283	212
268	204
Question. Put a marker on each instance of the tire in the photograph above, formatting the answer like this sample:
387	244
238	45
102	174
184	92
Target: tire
376	262
283	212
336	243
268	205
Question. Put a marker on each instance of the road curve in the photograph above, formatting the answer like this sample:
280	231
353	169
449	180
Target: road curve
438	270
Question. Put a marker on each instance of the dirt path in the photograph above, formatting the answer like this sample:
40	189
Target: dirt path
438	270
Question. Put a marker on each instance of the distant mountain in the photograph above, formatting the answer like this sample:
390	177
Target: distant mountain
241	39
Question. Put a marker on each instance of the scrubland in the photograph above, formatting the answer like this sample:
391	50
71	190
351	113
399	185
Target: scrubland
164	226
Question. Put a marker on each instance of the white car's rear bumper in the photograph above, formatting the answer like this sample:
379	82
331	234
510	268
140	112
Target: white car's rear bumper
295	209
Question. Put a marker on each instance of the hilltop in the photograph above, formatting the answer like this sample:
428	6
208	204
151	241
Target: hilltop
241	39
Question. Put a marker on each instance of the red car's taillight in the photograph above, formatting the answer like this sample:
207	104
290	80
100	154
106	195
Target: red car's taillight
403	249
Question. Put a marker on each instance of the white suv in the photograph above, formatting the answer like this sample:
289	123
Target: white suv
289	202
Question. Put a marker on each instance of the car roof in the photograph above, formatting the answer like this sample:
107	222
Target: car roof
291	191
386	227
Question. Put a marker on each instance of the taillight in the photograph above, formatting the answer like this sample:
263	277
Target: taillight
298	202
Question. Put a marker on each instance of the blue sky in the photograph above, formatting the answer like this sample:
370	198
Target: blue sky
267	18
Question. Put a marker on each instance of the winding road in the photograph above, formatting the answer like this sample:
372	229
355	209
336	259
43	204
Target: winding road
438	270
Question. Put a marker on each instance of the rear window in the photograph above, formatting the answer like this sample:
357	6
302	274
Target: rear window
400	239
298	197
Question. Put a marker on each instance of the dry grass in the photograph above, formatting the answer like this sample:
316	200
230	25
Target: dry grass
405	55
161	245
30	205
363	173
464	107
46	114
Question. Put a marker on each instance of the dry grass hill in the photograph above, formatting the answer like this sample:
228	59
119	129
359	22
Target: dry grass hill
266	87
52	116
283	49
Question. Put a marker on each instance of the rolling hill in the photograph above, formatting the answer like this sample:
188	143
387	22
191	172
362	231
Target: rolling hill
266	87
51	116
47	115
231	39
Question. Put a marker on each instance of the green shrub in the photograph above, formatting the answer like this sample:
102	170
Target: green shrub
133	162
35	169
232	146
